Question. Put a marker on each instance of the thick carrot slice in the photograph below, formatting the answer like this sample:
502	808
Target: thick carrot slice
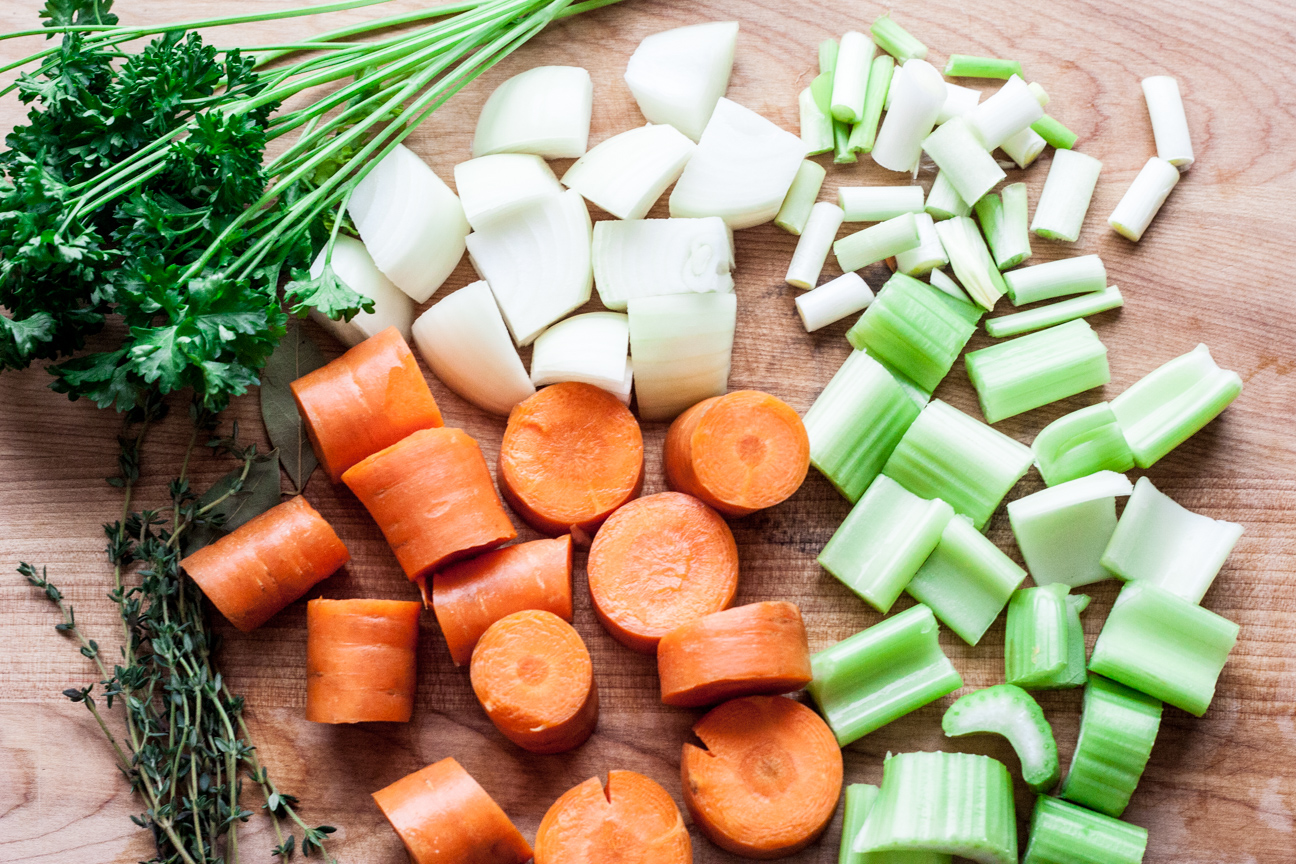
432	496
659	562
472	595
739	453
360	660
755	649
533	676
768	783
571	454
267	562
367	399
444	817
634	822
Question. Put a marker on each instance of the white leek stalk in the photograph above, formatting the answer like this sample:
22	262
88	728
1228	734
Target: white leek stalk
590	348
943	202
1010	109
677	75
464	342
545	111
1079	275
410	221
917	95
650	257
1041	95
1169	123
963	159
1063	530
1062	205
537	262
1143	199
741	171
627	173
812	249
971	261
940	280
816	125
492	187
878	203
850	76
958	102
877	243
392	308
833	301
794	212
1024	147
927	255
681	345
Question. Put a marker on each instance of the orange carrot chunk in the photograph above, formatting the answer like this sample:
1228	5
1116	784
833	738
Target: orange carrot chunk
444	817
267	562
360	660
432	496
768	783
571	454
634	822
657	563
739	453
533	675
749	650
367	399
472	595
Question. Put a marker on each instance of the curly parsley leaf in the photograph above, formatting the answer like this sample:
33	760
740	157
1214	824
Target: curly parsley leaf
327	293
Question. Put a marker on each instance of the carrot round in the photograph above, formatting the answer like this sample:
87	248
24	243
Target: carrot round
739	453
634	821
267	562
360	660
443	816
367	399
432	496
571	455
470	596
768	783
534	678
659	562
756	649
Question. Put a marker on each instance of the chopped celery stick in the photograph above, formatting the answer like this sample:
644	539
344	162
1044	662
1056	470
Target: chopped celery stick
1159	541
1143	199
948	455
1008	710
927	255
1024	147
850	76
914	328
941	281
884	540
812	249
918	395
971	260
879	84
878	203
1044	641
1052	131
881	674
1062	833
1081	443
966	66
1004	223
1169	404
1118	727
860	798
816	126
795	212
833	301
828	51
961	157
1164	646
1056	313
876	243
966	580
1038	369
856	422
958	803
1063	530
895	40
1007	111
842	154
1068	189
943	202
1080	275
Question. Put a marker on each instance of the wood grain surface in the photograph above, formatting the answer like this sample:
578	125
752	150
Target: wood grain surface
1214	268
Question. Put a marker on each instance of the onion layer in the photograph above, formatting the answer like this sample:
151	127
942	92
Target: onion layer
677	75
496	186
545	111
627	173
589	348
650	257
392	308
681	345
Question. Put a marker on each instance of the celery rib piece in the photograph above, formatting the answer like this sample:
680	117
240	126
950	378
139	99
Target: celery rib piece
881	674
864	134
1005	224
860	798
1164	646
948	455
1081	443
884	540
795	212
1008	710
968	66
1118	727
957	803
1041	368
1063	530
971	260
1055	313
842	152
1079	275
1052	131
1170	404
896	41
966	580
1044	641
1062	833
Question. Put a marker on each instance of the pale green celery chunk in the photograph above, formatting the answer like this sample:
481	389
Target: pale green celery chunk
940	280
1063	530
860	798
1081	443
1044	640
971	261
1004	223
1079	275
795	212
1062	833
1118	727
842	152
1055	313
1008	710
943	202
877	242
1037	369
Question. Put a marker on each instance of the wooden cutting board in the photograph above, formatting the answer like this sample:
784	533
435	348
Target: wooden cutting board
1214	268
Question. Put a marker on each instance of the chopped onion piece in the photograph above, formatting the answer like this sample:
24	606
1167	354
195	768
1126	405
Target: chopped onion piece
545	111
850	76
812	249
943	202
590	348
627	173
963	159
681	345
1169	123
1143	199
1061	209
492	187
1063	530
677	75
1009	110
927	255
958	102
878	203
650	257
918	93
795	210
833	301
392	307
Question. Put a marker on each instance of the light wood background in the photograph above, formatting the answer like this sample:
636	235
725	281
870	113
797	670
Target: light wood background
1215	268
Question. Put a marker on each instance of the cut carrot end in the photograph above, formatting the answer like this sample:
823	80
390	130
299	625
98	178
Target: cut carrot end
470	596
267	562
360	660
533	676
749	650
635	819
443	816
657	563
738	453
768	783
368	399
571	455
